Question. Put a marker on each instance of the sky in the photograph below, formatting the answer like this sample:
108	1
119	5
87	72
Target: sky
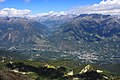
43	6
33	7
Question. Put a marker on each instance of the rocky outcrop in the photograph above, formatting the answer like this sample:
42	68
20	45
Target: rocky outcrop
8	75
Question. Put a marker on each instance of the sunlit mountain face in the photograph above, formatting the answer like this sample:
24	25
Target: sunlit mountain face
60	40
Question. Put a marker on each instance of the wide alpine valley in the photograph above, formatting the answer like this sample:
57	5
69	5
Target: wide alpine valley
81	43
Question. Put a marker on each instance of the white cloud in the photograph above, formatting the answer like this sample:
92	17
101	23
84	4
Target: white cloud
110	2
2	0
104	7
52	13
107	7
111	7
12	12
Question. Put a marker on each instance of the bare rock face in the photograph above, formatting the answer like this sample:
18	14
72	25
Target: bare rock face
6	75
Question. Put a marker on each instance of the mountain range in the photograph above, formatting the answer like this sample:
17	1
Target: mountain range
18	33
91	37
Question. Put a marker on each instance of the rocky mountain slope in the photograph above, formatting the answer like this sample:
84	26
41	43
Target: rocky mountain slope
22	33
89	28
87	37
90	36
7	75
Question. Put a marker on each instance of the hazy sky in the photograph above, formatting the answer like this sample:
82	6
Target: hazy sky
37	6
